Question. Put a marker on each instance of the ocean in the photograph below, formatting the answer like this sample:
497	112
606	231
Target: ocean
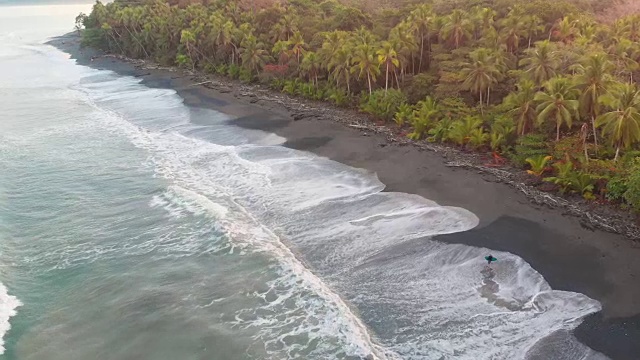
135	227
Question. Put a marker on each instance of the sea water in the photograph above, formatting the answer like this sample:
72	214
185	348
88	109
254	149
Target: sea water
135	227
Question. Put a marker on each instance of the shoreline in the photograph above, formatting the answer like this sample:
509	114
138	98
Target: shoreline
565	249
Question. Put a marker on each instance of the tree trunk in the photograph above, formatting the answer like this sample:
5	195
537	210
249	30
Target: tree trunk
557	130
395	73
595	135
617	153
369	81
488	95
481	102
421	51
386	80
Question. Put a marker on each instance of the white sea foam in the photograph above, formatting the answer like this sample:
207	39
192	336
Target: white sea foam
423	299
8	305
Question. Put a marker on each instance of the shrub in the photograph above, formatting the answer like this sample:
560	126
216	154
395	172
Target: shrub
383	105
538	164
440	131
529	146
233	71
338	97
404	114
632	194
245	75
421	86
616	188
462	130
183	61
424	117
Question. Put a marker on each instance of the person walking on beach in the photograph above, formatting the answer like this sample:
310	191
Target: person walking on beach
490	259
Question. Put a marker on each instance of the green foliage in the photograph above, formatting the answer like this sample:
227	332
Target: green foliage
462	130
183	61
632	195
338	97
383	105
538	164
421	86
529	146
424	117
404	114
616	188
233	71
440	132
453	59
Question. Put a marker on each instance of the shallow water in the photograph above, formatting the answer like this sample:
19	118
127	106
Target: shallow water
134	227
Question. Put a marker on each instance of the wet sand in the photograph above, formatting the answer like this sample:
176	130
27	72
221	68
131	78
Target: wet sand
602	265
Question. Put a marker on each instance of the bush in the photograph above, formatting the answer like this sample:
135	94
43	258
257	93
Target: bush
233	71
245	75
529	146
338	96
404	114
420	87
632	194
383	105
616	188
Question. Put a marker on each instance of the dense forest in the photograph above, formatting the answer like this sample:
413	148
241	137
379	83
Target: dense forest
540	82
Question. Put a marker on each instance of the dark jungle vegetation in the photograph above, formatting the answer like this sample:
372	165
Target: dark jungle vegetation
540	82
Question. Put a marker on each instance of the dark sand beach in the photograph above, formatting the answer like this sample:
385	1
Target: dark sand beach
570	256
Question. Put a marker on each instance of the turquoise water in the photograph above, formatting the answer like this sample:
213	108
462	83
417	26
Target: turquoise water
134	227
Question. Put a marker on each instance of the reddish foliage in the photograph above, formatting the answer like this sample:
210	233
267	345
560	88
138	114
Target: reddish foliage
275	69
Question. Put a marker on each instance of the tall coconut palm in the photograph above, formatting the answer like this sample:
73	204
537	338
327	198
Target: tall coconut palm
532	27
297	45
480	74
281	51
388	57
421	19
253	54
340	67
457	28
366	64
406	44
311	65
593	80
558	102
187	39
512	29
523	106
541	62
621	125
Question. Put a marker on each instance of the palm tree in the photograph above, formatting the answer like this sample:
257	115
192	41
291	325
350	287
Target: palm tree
481	73
285	28
365	64
541	62
188	39
522	104
457	28
402	35
512	29
593	80
421	19
564	30
340	66
557	102
254	56
532	27
297	45
622	124
333	41
388	56
281	51
311	65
